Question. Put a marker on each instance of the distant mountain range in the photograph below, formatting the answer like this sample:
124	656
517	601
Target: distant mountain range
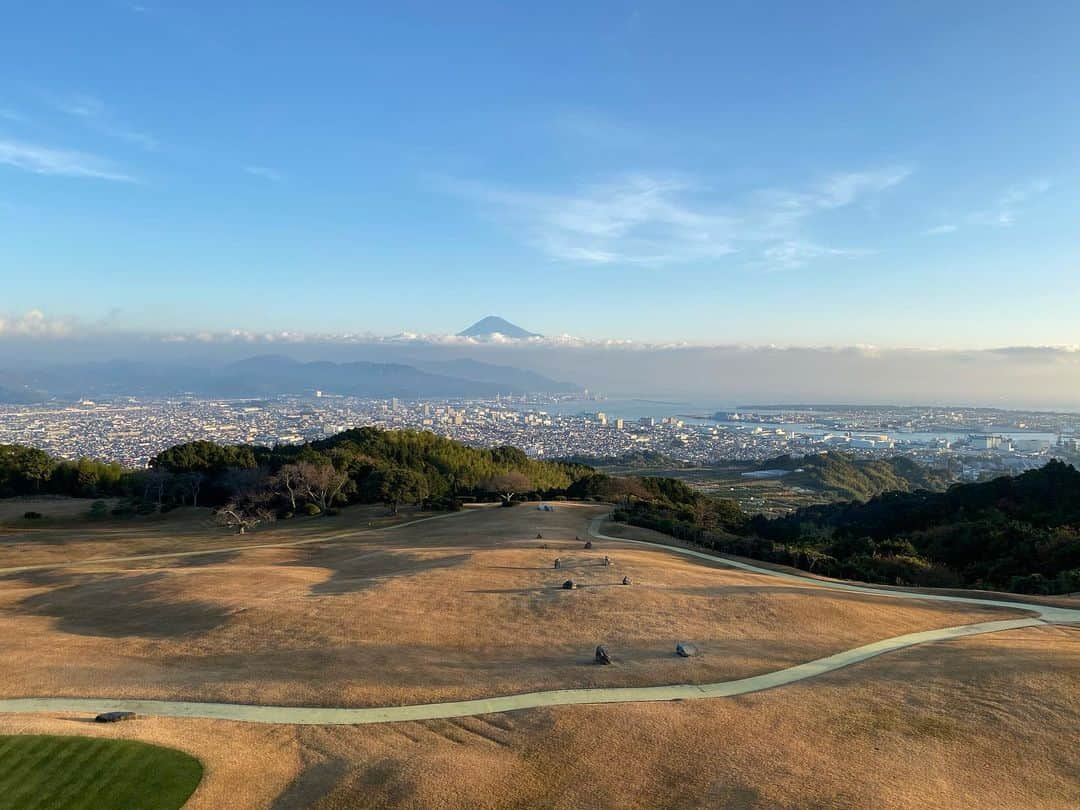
494	325
272	375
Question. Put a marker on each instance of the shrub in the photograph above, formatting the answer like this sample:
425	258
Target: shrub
1067	581
1031	583
33	515
98	510
312	509
288	515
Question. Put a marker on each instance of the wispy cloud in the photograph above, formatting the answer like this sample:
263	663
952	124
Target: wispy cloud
264	172
794	254
1001	214
635	219
7	114
1004	211
59	162
646	219
97	117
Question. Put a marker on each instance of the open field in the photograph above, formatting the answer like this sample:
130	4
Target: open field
52	508
767	496
47	771
463	607
66	535
989	721
470	606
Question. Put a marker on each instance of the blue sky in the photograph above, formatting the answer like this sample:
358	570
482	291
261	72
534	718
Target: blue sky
794	173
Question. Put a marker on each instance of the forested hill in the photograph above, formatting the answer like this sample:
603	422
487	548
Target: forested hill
422	465
845	478
1017	533
361	465
1047	498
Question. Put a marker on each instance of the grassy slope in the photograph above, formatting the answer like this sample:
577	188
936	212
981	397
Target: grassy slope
44	771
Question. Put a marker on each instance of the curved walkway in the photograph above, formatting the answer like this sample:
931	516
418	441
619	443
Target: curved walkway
571	697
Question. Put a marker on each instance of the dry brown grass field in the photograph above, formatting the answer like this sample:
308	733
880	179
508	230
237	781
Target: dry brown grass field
470	606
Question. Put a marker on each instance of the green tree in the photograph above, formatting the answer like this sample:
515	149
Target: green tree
398	485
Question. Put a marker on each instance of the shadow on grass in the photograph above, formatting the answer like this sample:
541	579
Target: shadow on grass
352	571
314	783
118	605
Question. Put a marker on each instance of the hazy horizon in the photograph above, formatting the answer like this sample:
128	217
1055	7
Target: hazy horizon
725	202
1045	378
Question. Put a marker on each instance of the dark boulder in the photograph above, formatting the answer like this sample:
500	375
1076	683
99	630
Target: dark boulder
626	580
602	656
114	717
685	649
588	544
569	585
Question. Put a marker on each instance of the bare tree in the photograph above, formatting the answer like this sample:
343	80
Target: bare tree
154	485
190	484
242	516
507	485
247	506
321	482
290	478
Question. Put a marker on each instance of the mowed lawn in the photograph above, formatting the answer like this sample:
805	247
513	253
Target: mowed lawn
45	771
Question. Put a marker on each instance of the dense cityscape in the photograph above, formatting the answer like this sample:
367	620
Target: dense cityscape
970	442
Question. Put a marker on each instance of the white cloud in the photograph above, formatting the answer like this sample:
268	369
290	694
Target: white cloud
33	324
59	162
1005	210
265	173
634	219
845	189
794	254
941	230
658	220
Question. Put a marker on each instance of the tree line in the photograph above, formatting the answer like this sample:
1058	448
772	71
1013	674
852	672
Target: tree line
1016	533
29	471
251	484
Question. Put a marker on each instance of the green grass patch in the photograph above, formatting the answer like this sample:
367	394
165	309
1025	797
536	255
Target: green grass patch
46	771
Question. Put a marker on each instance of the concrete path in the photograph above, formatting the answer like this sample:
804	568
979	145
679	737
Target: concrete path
572	697
1045	612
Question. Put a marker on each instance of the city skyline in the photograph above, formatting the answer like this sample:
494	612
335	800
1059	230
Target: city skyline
717	176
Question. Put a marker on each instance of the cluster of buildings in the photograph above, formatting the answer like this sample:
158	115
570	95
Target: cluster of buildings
132	432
